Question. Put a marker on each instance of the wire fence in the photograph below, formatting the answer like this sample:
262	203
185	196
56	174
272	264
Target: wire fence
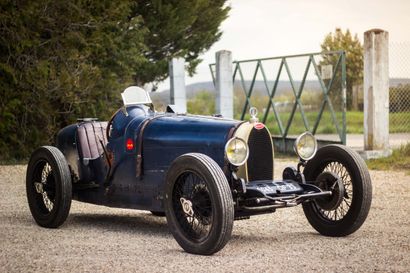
293	94
399	70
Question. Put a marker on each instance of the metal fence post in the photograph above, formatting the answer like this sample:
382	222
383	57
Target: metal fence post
224	84
177	78
376	93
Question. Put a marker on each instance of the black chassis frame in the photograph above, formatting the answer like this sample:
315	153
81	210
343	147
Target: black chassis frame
265	196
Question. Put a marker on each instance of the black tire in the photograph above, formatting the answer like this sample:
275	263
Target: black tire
55	183
354	206
196	181
158	213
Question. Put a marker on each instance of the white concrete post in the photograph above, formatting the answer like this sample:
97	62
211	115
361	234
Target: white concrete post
224	84
376	91
177	78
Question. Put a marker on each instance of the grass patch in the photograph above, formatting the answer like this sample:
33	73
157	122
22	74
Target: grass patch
398	122
398	161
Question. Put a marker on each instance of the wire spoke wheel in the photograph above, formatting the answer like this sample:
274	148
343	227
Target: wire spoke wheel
192	205
343	208
198	204
44	184
48	187
342	171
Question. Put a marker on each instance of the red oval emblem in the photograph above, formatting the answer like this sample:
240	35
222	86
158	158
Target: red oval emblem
259	126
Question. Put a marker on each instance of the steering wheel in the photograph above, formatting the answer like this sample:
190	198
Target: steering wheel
109	124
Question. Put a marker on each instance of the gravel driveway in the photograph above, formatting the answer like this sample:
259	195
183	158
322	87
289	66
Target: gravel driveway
100	239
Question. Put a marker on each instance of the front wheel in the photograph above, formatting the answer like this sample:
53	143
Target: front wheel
338	169
48	186
198	204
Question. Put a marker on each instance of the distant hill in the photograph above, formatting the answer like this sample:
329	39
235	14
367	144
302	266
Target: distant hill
259	88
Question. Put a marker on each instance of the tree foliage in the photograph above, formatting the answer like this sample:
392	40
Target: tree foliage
60	60
340	40
177	29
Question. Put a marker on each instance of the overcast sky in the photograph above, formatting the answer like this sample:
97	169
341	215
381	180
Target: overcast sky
267	28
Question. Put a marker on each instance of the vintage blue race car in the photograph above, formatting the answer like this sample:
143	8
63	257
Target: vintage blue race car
201	172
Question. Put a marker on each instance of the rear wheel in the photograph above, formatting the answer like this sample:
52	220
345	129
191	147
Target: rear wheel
338	169
48	187
198	204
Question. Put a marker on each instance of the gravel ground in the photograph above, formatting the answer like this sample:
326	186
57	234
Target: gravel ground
100	239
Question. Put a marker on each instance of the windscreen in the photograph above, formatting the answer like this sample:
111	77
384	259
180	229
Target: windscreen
135	95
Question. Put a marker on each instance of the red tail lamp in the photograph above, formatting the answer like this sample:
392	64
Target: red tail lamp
129	144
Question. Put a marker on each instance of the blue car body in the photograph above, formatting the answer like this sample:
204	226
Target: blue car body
165	137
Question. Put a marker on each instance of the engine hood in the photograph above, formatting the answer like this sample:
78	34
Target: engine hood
169	136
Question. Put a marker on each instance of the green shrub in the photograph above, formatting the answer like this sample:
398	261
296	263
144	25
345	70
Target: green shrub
202	104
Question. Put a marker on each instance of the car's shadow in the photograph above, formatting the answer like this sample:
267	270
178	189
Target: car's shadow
143	223
134	223
146	224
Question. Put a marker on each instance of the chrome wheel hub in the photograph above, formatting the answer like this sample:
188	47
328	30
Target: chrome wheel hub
187	206
40	187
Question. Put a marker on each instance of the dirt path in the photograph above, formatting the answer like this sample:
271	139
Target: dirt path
99	239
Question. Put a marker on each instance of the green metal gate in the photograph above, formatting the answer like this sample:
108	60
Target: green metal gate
312	97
